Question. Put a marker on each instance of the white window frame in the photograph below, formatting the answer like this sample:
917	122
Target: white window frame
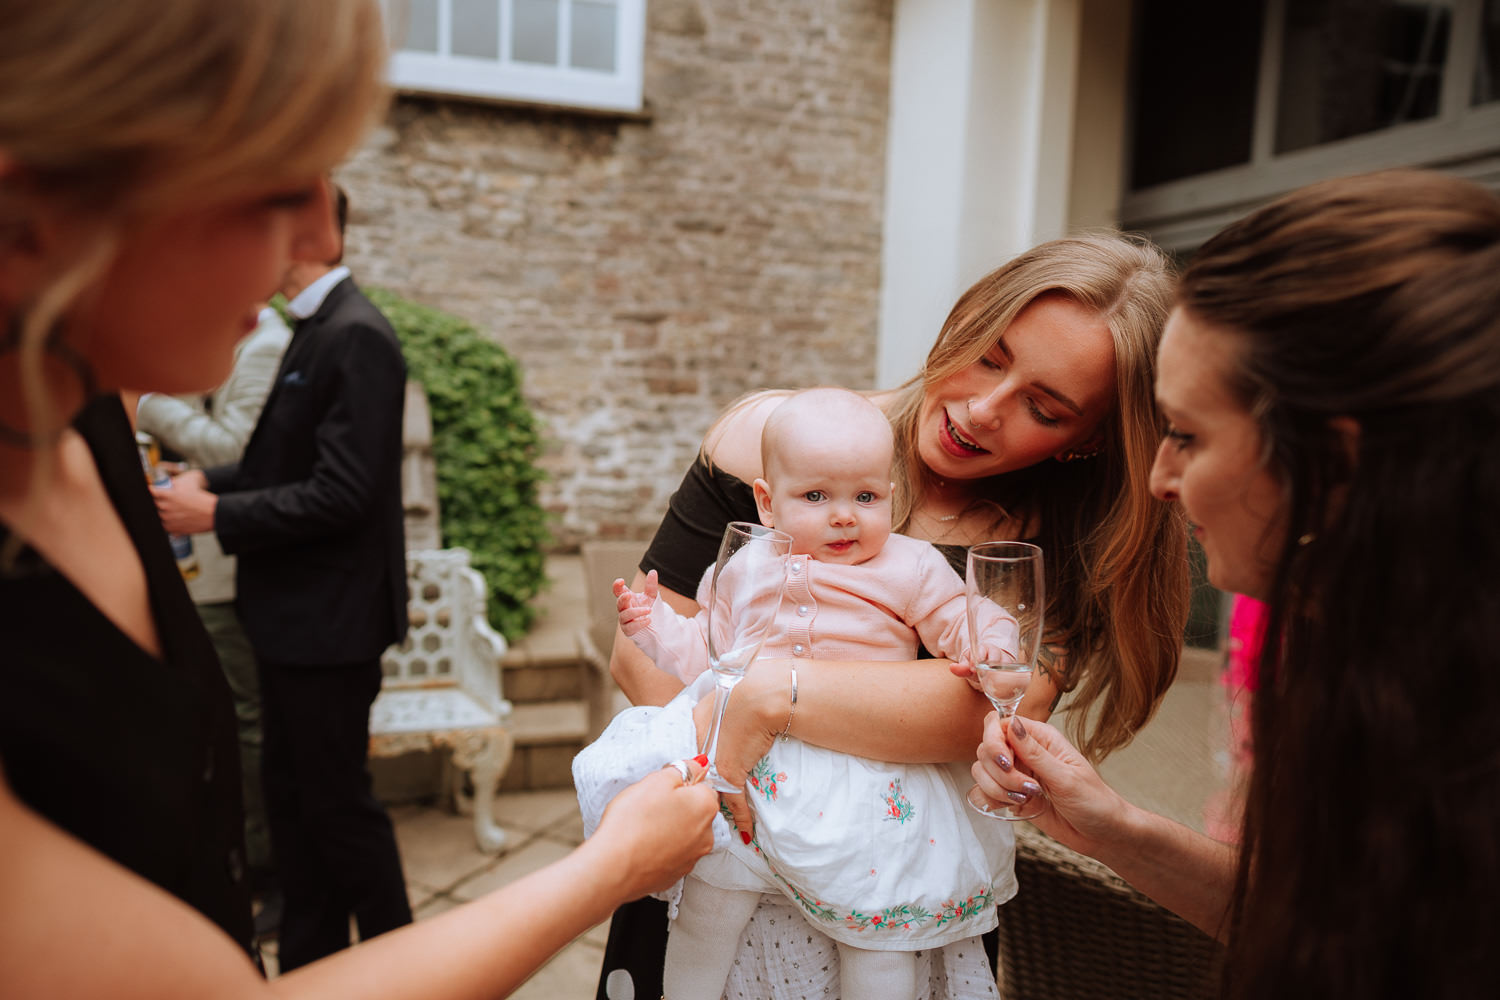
444	74
1462	138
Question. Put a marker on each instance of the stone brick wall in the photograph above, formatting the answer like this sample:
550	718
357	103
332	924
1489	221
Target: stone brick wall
647	271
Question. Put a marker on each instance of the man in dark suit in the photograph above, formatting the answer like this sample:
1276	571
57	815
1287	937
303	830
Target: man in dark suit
313	511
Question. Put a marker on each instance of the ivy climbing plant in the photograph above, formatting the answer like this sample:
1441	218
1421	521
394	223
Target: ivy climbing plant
485	440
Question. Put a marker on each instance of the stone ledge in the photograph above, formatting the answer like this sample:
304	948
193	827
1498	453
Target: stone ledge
550	722
560	681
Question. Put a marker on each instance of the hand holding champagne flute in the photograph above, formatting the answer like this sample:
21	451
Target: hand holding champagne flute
1003	584
746	591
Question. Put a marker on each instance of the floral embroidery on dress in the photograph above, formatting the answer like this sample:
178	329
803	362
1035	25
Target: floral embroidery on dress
897	806
815	907
763	780
972	906
905	916
888	919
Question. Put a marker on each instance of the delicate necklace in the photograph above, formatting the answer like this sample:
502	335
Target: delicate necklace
941	483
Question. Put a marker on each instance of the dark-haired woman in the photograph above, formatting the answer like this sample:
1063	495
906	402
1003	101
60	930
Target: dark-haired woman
1332	374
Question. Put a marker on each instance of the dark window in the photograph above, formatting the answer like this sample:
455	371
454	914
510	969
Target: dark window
1196	64
1487	65
1349	67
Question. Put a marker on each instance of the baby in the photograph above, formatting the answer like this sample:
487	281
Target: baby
881	857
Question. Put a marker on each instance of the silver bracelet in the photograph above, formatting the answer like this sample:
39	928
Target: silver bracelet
791	711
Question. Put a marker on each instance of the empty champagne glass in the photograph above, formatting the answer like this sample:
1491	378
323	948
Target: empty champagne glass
748	579
1003	584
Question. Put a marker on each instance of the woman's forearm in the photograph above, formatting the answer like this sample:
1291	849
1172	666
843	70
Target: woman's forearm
486	949
902	712
142	943
1188	873
643	682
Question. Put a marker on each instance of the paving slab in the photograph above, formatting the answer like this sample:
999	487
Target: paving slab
535	810
438	851
535	854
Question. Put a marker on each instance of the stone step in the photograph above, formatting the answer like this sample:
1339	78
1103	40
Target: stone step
546	683
548	736
541	683
544	665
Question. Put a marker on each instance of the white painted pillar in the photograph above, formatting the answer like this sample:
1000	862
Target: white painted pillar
978	154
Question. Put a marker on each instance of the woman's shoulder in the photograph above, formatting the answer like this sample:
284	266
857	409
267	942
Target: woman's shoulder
733	442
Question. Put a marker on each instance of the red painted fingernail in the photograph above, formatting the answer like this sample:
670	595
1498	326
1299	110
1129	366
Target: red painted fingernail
701	760
745	836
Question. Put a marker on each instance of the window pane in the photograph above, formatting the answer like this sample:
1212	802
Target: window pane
422	26
1351	68
1195	68
476	28
533	36
1487	62
593	41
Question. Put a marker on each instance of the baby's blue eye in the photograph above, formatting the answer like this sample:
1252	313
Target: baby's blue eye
815	496
866	497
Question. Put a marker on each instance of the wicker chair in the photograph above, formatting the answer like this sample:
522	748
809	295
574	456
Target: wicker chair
1076	930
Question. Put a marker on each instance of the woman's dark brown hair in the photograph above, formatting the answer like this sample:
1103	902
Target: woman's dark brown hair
1367	315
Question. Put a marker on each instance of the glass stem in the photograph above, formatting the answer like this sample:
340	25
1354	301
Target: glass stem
723	687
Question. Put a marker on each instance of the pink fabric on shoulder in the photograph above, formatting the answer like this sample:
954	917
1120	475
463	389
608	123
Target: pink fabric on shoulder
1223	813
1247	620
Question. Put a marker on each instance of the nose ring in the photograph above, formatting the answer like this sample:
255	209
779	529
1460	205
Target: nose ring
969	409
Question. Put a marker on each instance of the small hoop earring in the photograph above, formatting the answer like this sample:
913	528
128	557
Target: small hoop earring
55	348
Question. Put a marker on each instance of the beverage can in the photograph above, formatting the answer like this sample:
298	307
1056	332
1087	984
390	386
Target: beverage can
182	545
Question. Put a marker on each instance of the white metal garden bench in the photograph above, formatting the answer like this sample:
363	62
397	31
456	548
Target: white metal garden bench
442	685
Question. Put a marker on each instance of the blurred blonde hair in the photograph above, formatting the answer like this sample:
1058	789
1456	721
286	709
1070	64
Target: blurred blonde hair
114	110
1117	570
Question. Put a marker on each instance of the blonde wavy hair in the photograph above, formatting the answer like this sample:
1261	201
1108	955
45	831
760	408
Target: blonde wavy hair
115	110
1117	569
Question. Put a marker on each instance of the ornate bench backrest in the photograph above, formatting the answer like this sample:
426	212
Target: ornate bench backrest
440	606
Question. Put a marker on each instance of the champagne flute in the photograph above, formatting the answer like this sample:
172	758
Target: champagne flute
1003	585
748	579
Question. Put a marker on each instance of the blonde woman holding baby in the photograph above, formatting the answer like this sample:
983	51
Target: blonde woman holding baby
1032	419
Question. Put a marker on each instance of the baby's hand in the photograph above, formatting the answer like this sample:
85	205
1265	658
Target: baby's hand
985	653
635	609
963	667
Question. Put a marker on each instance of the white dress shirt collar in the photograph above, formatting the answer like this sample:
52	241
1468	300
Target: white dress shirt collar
310	299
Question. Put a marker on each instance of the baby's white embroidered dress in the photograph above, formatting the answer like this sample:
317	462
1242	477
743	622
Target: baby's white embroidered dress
881	856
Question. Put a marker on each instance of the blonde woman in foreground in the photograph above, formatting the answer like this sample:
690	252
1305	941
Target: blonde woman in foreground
162	163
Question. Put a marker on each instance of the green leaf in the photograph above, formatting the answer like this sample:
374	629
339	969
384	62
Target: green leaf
485	440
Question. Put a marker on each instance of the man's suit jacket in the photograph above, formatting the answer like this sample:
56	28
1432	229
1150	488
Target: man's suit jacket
313	508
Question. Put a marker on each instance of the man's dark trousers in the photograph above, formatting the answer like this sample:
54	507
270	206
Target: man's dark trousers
336	847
